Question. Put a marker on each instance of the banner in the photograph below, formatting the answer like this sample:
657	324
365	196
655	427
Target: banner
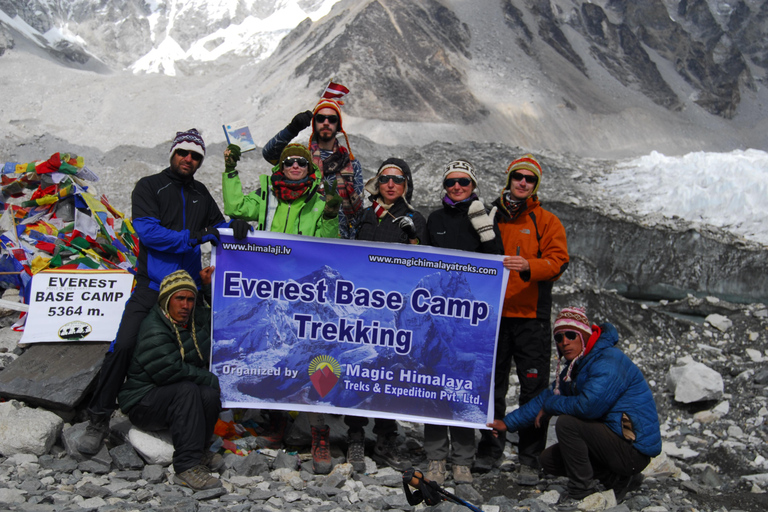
359	328
76	305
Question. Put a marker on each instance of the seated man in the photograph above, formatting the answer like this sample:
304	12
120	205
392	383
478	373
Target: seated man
607	427
168	385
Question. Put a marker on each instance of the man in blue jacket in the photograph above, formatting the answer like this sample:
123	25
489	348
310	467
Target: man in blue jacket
607	426
173	214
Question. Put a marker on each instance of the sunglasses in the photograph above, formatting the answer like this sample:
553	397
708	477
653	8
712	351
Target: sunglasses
464	182
385	178
184	152
530	178
320	118
288	162
571	335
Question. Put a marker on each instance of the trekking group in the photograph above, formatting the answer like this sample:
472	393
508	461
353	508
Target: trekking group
157	368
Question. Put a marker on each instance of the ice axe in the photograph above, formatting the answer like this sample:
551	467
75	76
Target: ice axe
428	492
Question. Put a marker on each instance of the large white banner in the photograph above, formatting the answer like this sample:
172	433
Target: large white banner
76	305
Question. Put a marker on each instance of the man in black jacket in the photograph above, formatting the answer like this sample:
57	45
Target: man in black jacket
173	214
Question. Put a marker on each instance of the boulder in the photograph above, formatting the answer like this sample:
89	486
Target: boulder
695	382
154	447
27	430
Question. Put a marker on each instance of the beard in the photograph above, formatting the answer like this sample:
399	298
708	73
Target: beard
325	136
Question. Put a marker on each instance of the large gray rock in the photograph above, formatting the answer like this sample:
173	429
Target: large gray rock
695	382
54	375
154	447
26	430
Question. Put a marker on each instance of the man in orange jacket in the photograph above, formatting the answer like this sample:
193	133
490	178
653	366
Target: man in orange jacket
537	255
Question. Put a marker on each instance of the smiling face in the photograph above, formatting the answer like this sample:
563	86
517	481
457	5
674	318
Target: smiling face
388	189
184	163
520	187
298	168
455	191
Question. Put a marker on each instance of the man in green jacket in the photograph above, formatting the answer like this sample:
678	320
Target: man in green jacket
169	386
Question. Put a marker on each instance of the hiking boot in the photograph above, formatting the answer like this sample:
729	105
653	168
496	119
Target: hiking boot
462	474
356	451
386	452
321	450
436	472
212	460
198	478
627	485
97	430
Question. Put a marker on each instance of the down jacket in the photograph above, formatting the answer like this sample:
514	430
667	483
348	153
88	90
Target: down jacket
157	358
605	384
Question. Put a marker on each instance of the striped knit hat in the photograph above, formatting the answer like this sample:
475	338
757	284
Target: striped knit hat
190	140
571	319
172	283
525	163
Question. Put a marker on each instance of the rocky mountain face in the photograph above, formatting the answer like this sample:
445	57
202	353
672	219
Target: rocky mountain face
410	57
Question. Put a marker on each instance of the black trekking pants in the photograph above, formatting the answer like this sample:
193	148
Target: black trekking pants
189	410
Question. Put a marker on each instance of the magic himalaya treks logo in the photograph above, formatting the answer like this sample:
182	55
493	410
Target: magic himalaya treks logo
324	373
75	330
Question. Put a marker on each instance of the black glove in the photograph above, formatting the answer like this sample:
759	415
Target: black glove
300	121
240	228
335	163
209	234
406	224
332	201
231	156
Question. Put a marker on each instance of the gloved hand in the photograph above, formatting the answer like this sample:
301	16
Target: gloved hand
481	221
231	156
406	224
209	234
300	121
335	163
240	228
332	201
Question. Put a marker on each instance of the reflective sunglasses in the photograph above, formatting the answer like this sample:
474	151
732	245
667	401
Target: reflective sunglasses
464	182
530	178
571	335
320	118
288	162
384	178
184	152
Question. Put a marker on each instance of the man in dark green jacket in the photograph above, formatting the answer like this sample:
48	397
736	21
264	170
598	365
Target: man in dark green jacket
169	385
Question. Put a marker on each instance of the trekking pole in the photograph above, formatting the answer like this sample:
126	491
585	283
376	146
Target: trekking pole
428	491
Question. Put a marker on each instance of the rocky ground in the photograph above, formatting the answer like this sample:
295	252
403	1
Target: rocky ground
715	457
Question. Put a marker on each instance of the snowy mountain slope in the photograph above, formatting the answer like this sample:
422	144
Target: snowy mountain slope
608	78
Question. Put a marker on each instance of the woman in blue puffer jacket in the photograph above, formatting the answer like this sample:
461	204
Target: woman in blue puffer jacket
607	427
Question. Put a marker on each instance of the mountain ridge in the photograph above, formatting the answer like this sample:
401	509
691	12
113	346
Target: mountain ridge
606	78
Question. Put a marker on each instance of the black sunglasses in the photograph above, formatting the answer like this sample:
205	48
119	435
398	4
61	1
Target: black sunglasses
464	182
184	152
384	178
530	178
320	118
288	162
571	335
